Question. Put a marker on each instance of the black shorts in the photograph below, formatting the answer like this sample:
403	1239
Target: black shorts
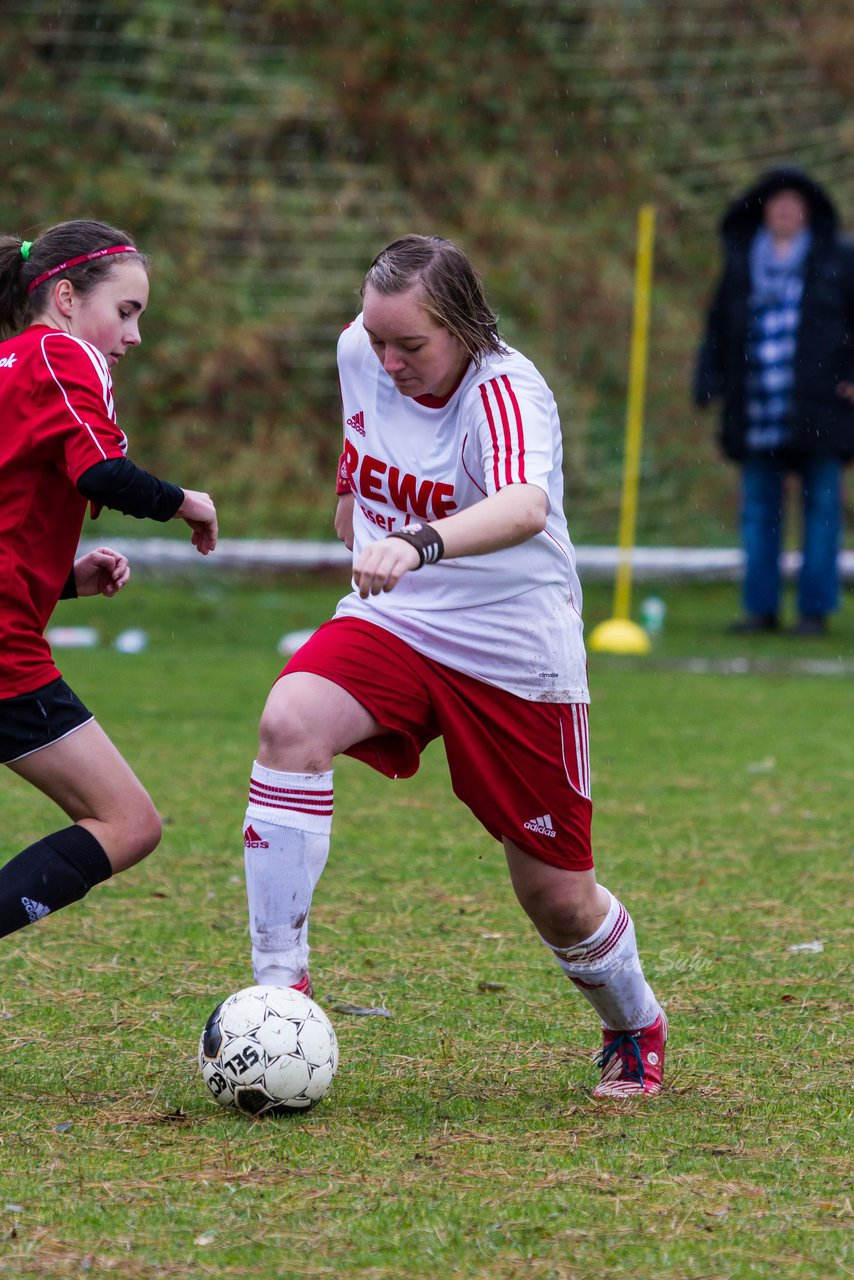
35	720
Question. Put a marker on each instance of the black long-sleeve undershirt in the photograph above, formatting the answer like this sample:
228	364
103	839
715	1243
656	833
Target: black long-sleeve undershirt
122	486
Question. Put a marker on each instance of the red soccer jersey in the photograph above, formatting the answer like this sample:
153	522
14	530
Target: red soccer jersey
56	420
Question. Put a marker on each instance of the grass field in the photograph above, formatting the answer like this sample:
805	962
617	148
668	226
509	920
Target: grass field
460	1138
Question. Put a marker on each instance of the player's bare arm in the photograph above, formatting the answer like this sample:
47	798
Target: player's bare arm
504	519
344	520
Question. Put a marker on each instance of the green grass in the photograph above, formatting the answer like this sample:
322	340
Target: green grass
459	1138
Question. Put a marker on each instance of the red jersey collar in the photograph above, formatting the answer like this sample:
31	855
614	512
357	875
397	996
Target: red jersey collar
439	402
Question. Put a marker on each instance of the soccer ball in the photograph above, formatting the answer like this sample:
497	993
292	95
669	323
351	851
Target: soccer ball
268	1051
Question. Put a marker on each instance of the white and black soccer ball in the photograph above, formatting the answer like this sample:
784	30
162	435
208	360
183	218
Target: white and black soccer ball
268	1051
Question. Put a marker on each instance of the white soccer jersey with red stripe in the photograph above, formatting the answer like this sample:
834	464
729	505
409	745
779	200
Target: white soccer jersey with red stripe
513	617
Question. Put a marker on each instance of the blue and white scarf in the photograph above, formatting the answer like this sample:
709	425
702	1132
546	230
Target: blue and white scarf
777	286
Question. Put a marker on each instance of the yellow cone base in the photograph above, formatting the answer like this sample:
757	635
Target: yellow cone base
618	635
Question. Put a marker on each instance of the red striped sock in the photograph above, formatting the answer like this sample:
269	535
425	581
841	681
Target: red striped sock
606	968
286	844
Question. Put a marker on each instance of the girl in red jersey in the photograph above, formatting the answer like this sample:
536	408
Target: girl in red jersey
452	465
73	297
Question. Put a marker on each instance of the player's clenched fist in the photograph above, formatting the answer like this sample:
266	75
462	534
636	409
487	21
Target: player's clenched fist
382	564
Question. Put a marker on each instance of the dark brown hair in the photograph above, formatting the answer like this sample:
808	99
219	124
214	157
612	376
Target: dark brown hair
57	245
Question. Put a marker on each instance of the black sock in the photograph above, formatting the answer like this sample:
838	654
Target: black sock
53	872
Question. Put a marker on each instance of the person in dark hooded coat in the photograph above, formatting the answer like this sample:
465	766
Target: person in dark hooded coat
778	353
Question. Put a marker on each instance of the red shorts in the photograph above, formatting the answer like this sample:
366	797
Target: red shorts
521	767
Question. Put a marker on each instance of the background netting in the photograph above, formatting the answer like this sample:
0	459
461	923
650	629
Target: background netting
263	153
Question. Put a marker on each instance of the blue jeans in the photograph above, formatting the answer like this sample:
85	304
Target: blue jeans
763	494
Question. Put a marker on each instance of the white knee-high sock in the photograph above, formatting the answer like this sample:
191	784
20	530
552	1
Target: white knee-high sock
286	844
606	968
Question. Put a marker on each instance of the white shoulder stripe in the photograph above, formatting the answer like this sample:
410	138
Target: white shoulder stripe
102	371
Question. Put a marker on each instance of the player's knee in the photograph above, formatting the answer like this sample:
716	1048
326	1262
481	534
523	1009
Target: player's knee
288	740
562	918
149	834
281	730
139	836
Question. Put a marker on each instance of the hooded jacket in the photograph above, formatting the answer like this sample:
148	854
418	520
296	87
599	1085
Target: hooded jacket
822	421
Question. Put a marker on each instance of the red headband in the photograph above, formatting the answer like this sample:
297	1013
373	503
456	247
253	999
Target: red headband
75	262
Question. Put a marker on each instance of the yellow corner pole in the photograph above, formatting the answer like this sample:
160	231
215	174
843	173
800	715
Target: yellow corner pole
634	412
619	634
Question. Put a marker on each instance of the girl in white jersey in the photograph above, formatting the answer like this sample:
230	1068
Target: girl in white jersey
451	465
